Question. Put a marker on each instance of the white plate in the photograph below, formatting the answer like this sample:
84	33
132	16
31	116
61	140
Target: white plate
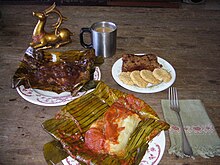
48	98
117	69
152	156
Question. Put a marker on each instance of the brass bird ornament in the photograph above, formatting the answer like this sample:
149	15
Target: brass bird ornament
44	40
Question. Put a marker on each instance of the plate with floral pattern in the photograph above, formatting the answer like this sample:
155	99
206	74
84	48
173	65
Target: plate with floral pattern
49	98
152	156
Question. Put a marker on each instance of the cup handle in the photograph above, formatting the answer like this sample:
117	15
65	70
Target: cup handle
85	30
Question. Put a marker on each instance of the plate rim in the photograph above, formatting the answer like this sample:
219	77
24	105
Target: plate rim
160	140
153	89
34	96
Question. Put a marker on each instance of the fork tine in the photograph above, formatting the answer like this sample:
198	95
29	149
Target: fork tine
176	101
171	96
174	96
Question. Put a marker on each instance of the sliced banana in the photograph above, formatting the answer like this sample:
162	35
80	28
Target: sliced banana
125	78
162	74
138	80
149	77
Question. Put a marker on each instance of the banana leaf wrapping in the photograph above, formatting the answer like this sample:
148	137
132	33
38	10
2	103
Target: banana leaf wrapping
66	71
71	123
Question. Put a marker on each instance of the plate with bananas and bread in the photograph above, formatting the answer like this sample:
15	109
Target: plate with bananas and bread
143	73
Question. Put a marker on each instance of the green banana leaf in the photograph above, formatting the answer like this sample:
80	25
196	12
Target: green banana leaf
70	124
54	152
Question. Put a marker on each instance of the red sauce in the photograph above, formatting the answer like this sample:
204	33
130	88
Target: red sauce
96	138
112	130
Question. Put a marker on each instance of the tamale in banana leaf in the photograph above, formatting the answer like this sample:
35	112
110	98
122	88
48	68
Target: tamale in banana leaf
67	71
71	123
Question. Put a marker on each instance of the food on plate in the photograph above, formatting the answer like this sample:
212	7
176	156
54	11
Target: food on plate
149	77
65	71
142	71
105	126
137	79
110	134
132	62
162	74
125	78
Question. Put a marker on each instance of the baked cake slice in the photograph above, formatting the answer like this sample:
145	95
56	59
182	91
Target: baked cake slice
133	62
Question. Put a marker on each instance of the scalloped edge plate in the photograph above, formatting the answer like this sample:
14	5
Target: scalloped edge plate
49	98
152	156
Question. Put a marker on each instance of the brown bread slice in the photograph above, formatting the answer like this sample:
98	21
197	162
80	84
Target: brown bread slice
131	62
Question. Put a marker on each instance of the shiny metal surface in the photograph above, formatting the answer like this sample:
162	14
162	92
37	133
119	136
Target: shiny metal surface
104	43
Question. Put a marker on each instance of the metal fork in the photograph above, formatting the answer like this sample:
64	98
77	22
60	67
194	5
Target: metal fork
174	105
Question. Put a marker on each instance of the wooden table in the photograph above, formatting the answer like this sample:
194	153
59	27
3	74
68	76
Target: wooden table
186	37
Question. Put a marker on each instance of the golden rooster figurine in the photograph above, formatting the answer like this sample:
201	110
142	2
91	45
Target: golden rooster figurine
44	40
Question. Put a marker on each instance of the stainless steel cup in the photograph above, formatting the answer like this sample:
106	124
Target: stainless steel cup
103	38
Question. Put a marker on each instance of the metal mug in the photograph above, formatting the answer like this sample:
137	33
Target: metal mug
103	38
